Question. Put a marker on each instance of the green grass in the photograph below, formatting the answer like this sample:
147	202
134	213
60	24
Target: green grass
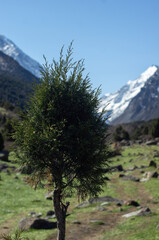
135	229
17	199
152	188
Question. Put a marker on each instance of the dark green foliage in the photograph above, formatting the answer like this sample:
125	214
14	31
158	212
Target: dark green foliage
1	142
120	134
62	136
150	128
8	128
13	91
62	131
154	128
137	133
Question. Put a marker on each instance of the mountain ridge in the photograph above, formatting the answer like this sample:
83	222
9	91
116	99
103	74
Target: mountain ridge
12	50
16	83
119	102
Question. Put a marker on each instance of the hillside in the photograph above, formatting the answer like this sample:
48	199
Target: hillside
10	49
145	105
136	101
15	82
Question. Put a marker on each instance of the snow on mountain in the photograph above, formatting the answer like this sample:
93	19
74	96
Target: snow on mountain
117	103
10	49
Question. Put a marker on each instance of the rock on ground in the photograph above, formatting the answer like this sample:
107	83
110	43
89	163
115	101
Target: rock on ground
141	212
35	223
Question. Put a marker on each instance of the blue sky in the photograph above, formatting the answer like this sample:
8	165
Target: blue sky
118	39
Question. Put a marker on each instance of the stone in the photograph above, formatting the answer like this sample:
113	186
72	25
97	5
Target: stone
83	204
100	209
152	164
152	175
4	156
142	166
34	214
151	142
16	177
106	179
121	175
35	223
98	222
132	168
130	178
119	204
149	175
50	213
104	203
117	168
49	196
132	203
38	215
76	222
106	199
144	179
50	217
142	212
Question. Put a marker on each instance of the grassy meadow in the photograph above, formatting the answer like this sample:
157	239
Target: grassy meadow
18	199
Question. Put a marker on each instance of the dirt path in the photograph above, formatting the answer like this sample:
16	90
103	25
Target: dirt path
88	231
6	228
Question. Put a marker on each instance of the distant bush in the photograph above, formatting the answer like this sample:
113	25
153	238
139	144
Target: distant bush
154	128
137	134
120	134
8	129
1	142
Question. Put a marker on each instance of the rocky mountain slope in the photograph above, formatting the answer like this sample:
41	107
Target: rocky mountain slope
10	49
136	101
15	81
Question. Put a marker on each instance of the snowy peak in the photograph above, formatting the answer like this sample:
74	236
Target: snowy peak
117	103
144	76
10	49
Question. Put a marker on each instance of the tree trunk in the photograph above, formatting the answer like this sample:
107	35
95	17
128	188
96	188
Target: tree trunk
60	212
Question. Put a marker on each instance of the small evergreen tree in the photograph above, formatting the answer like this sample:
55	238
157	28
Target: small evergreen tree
1	142
154	128
120	134
62	136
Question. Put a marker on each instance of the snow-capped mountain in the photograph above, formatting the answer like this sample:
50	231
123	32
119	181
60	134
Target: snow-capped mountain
10	49
119	103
